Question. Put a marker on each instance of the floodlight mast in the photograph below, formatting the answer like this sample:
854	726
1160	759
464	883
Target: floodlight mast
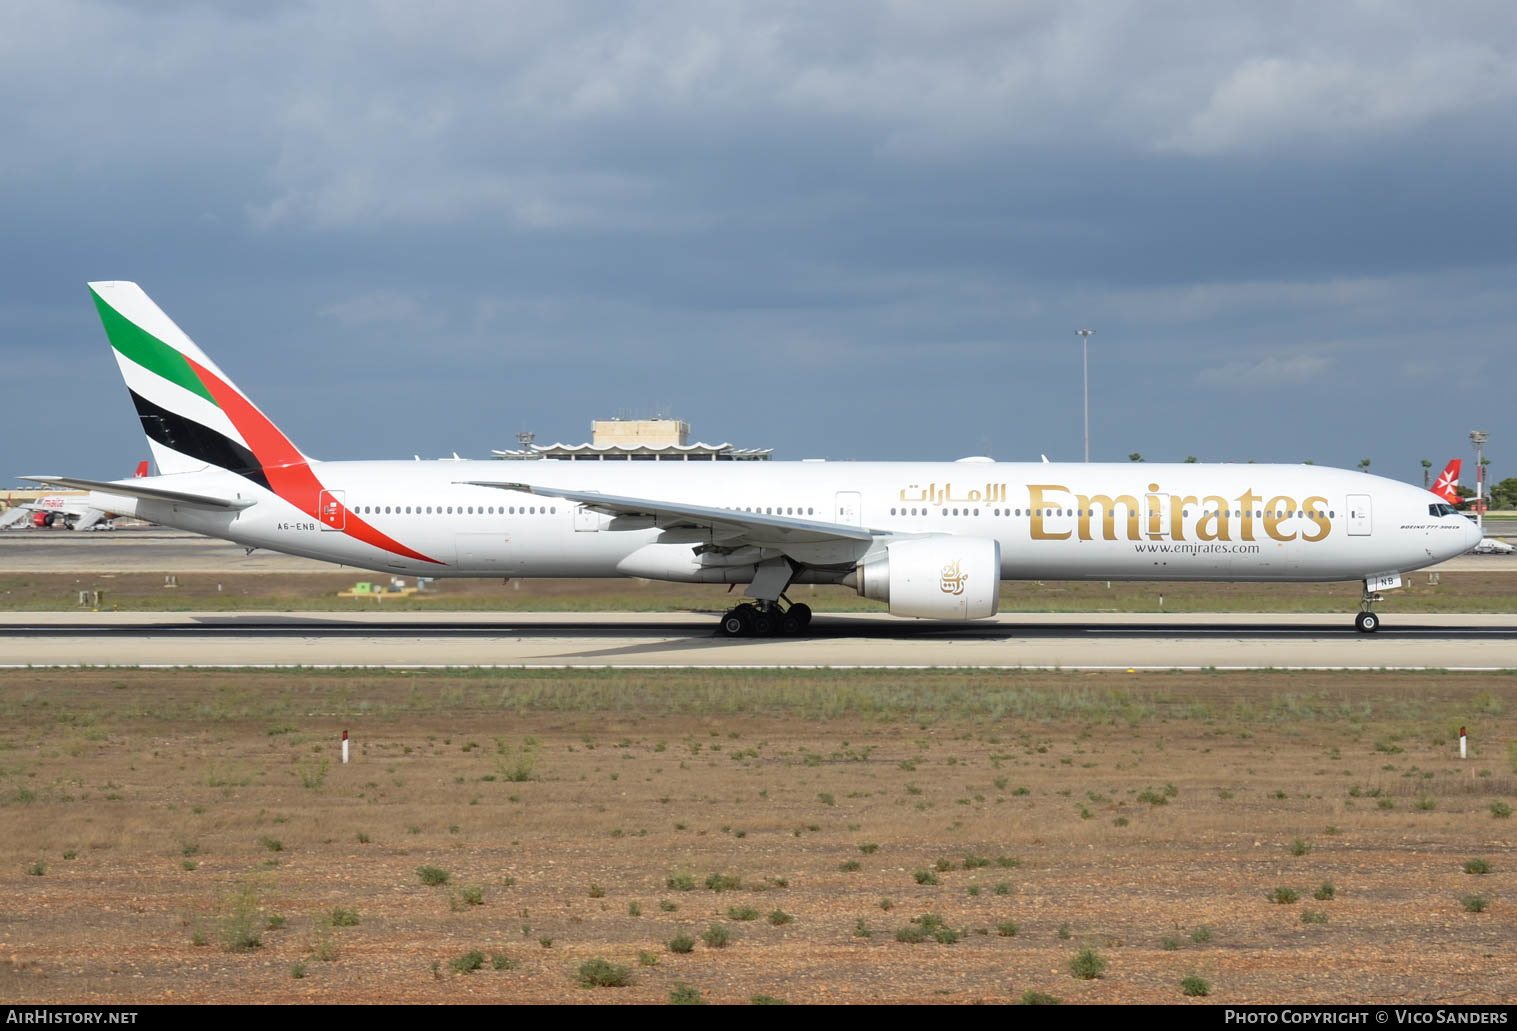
1479	439
1085	335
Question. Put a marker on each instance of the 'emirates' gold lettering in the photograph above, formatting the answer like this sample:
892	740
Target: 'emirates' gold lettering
1039	502
1213	524
1279	510
1159	516
1316	511
1108	515
1248	499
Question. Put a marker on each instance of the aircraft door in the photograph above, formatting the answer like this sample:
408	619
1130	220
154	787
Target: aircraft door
1156	516
331	510
1359	515
849	509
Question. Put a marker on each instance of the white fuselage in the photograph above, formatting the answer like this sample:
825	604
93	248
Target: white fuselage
1052	521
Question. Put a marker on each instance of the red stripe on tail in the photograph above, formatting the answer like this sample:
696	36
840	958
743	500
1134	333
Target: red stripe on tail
288	473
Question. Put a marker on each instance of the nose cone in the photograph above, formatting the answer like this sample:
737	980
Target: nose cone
1472	534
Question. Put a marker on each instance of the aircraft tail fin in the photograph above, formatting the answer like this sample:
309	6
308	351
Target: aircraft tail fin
1447	484
141	470
192	412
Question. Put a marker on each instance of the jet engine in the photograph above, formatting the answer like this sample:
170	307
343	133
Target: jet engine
42	519
937	577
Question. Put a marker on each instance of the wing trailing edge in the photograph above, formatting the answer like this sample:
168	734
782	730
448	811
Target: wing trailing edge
754	525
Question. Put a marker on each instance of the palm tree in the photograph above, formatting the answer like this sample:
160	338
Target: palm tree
1364	465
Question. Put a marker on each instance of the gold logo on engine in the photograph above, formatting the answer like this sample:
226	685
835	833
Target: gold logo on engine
952	581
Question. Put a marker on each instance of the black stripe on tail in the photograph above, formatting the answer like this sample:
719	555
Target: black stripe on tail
190	438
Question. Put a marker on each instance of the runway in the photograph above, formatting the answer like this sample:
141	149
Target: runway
592	640
1230	641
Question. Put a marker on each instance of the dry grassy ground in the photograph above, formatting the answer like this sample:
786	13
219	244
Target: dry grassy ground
153	821
1493	591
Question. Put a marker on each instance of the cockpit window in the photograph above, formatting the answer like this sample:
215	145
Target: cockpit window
1442	510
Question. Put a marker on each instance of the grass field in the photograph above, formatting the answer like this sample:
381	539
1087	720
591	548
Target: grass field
954	837
1494	591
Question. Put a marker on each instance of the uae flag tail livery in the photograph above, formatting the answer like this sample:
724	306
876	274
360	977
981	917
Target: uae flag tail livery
195	416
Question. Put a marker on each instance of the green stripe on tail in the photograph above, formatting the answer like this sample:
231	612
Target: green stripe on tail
147	350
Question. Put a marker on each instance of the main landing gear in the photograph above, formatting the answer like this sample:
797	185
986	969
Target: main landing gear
763	617
766	619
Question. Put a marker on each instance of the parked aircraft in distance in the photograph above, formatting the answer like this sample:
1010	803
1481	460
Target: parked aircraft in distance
71	509
932	540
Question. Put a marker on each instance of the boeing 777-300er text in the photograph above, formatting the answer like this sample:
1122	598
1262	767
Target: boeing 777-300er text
932	540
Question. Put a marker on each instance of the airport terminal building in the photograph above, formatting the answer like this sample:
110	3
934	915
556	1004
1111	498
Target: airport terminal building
634	440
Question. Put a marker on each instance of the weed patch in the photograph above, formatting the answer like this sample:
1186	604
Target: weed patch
601	973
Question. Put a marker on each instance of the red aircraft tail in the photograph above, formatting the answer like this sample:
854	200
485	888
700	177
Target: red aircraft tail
141	470
1448	481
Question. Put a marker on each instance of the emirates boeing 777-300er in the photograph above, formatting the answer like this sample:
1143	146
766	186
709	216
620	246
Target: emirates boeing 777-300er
932	540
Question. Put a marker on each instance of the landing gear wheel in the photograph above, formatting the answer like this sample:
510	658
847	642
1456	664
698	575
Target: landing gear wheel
790	625
801	612
765	622
1367	622
736	623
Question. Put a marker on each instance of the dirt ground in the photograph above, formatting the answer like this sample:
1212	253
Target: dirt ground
157	823
1493	591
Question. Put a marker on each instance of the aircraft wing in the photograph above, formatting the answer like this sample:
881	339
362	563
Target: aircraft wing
137	490
728	524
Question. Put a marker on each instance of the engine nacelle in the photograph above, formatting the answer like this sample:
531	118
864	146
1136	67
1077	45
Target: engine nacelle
41	519
938	577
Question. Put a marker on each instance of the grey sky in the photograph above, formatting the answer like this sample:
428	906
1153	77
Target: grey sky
853	230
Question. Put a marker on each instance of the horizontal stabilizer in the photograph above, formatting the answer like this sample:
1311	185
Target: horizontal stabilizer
129	489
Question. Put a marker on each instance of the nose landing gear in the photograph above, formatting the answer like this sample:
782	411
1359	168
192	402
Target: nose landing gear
1366	622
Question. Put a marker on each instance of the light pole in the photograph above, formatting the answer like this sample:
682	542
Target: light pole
1479	438
1085	335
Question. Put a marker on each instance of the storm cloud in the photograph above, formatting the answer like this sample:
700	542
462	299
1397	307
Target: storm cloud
852	230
